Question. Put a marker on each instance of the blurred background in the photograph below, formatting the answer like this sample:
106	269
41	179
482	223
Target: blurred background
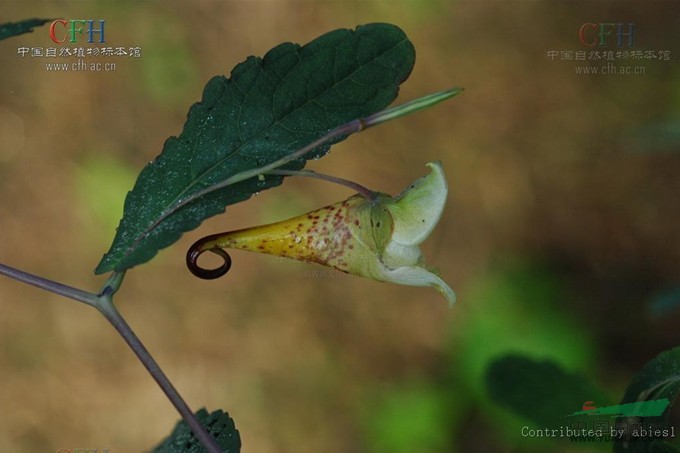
560	235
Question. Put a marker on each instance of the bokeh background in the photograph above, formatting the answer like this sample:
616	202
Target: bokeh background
561	235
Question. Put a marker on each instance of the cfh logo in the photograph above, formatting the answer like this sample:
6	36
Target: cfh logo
600	35
62	30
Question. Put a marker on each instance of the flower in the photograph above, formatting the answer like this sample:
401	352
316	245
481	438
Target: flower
375	238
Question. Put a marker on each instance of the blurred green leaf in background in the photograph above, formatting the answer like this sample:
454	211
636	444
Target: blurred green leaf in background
540	391
413	416
519	310
168	70
102	181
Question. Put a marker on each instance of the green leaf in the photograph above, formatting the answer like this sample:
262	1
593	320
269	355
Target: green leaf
217	423
658	379
19	28
540	391
265	111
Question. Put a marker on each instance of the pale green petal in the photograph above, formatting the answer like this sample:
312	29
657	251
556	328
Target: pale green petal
418	276
417	210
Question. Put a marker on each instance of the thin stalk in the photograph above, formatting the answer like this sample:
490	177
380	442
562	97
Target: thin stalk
409	107
49	285
106	308
348	128
345	129
366	192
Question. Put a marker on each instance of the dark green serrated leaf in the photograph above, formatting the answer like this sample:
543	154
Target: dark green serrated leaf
266	110
217	423
658	379
540	391
19	28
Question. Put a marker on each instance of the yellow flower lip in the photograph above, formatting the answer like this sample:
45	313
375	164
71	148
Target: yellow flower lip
378	238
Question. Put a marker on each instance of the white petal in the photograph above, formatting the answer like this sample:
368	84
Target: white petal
418	208
398	255
418	276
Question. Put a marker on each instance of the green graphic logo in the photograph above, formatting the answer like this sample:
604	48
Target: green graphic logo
652	408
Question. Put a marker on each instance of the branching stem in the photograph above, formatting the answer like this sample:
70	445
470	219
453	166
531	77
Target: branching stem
49	285
110	312
103	302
